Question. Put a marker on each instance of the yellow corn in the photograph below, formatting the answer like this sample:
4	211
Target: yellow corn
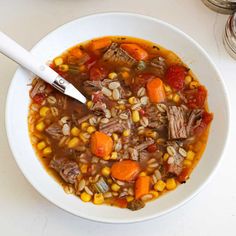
132	100
85	197
43	111
112	75
114	155
126	132
74	142
135	116
170	96
190	155
160	185
84	126
125	74
81	135
155	194
150	133
41	145
58	61
109	181
115	136
47	151
84	168
106	171
89	104
167	88
106	158
91	129
129	198
75	131
115	187
176	98
143	173
187	79
170	184
40	126
63	68
82	68
121	107
165	157
187	163
98	198
193	84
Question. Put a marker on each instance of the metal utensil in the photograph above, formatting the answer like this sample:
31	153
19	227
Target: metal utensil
24	58
221	6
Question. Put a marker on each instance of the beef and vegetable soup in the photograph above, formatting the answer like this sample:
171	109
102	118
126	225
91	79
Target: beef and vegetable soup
141	133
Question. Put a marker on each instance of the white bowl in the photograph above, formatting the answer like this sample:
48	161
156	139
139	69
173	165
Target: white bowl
128	25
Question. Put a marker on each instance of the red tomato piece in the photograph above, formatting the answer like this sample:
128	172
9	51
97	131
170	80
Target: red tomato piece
142	112
196	98
206	120
152	148
38	98
91	61
175	76
97	97
98	72
184	175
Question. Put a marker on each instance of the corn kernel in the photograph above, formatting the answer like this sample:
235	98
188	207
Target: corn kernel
114	155
129	198
132	100
165	157
40	126
112	75
176	98
98	198
187	79
43	111
74	142
82	68
84	126
81	135
115	187
170	97
106	171
170	184
89	104
190	155
121	107
126	132
63	68
167	88
75	131
106	158
125	74
84	168
143	173
41	145
160	185
85	197
58	61
193	84
155	194
91	129
150	133
115	136
187	163
47	151
135	116
109	181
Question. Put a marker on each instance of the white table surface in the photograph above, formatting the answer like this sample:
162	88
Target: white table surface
24	212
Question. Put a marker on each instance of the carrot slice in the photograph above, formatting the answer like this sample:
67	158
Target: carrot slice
135	51
126	170
76	52
101	144
142	186
155	90
100	43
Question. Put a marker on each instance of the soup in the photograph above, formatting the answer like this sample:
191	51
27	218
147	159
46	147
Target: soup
141	133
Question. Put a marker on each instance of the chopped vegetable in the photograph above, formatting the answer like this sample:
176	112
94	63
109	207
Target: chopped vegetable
85	197
76	52
206	120
126	170
196	98
135	51
98	198
100	43
98	73
155	90
119	202
142	186
101	144
184	175
101	186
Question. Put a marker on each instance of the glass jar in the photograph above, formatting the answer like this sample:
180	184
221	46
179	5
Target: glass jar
221	6
229	36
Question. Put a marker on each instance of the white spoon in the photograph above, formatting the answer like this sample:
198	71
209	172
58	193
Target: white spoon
24	58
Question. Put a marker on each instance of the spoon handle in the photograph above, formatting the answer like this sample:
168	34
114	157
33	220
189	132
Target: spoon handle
21	56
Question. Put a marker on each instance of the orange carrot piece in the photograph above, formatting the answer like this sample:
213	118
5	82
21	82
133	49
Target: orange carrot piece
135	51
100	43
155	90
101	144
76	52
126	170
120	202
142	186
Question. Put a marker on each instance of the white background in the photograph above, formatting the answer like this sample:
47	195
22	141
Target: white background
24	212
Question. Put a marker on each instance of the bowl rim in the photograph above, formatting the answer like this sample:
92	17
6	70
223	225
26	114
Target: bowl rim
185	200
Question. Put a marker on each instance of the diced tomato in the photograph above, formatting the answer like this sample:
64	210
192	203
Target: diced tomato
142	112
184	175
97	97
38	98
91	61
141	80
152	148
196	98
206	120
98	72
175	76
120	202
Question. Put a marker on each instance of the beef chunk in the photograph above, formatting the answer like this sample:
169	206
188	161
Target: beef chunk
159	66
38	88
54	130
135	205
194	120
92	86
177	122
144	145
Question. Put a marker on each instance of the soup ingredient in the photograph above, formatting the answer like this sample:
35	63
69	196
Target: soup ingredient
135	51
142	186
155	90
100	43
126	170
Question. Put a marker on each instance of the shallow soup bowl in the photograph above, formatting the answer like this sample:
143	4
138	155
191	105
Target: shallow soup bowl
123	24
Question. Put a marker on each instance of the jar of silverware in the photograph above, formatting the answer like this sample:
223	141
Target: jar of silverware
221	6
